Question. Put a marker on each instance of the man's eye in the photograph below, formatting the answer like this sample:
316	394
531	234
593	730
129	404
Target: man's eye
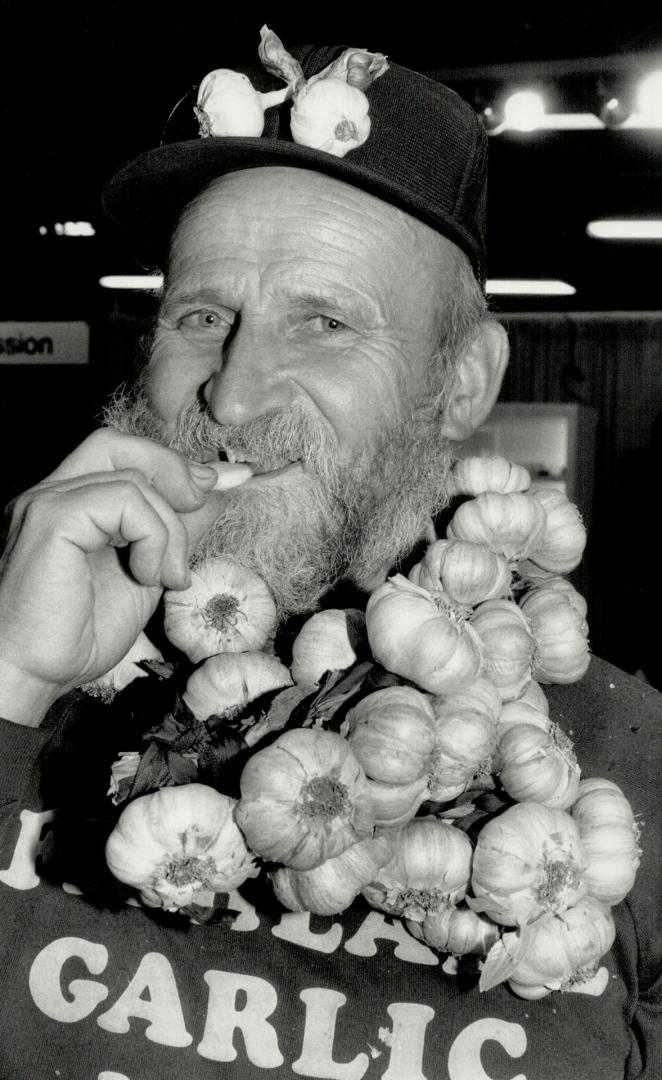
330	325
209	323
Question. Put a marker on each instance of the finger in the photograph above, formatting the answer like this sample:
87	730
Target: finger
91	517
184	483
176	553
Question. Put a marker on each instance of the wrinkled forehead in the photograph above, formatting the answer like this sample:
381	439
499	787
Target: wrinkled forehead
297	215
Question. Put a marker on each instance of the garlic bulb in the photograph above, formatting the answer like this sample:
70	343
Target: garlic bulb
178	845
456	930
562	542
473	475
327	641
533	694
227	608
520	712
538	765
528	860
509	524
422	637
229	681
304	799
396	804
561	653
229	104
610	837
556	952
480	696
508	645
392	734
465	741
429	869
332	886
466	572
330	115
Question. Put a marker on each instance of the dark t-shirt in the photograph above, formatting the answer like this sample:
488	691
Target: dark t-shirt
96	989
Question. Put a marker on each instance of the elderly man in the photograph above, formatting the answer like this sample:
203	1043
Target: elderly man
322	341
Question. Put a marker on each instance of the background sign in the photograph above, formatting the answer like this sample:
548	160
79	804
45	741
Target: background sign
44	343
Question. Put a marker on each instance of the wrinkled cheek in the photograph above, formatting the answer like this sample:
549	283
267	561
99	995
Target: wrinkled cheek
173	379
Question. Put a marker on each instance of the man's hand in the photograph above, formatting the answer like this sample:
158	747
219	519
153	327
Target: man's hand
89	551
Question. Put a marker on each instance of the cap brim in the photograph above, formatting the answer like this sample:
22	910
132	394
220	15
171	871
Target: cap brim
146	195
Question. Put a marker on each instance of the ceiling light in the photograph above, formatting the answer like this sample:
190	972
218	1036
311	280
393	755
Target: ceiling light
149	282
649	96
529	287
614	112
626	229
524	110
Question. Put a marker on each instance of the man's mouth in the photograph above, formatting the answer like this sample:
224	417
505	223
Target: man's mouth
270	465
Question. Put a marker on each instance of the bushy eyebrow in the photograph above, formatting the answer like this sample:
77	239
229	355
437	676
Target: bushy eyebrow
337	299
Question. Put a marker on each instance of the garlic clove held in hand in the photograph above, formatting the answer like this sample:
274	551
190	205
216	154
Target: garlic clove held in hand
226	608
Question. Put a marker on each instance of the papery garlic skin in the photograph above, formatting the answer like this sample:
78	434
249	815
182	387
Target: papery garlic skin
327	641
392	734
562	543
422	637
479	696
177	844
332	886
124	767
528	860
474	475
430	868
229	681
330	115
465	741
508	645
226	608
456	930
304	799
229	104
518	712
396	804
510	524
539	765
610	836
561	653
123	673
465	571
556	952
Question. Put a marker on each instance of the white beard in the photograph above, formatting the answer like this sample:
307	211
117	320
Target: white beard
337	522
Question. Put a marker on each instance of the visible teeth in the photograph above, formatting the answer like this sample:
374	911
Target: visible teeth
236	455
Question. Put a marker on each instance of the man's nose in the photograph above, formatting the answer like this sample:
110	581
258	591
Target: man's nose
251	380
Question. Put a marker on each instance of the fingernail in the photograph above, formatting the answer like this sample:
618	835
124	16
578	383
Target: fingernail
204	475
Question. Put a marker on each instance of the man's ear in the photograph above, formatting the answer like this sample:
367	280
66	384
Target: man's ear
477	382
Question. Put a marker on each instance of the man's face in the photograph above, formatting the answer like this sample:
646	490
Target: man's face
298	322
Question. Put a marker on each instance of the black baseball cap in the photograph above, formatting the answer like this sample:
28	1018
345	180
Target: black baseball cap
426	153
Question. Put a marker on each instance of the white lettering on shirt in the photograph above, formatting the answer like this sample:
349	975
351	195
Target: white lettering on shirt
45	979
375	926
464	1055
21	874
407	1040
161	1008
295	927
223	1017
316	1058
